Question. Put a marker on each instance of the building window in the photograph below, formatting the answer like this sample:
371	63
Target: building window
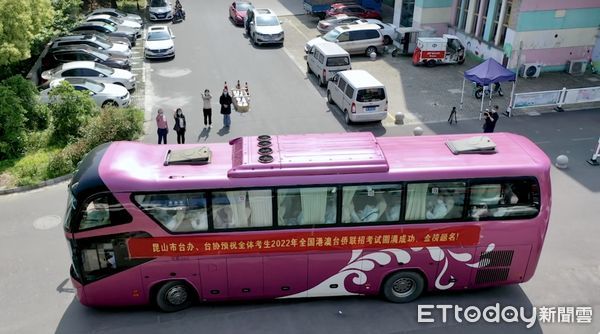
505	22
483	19
463	17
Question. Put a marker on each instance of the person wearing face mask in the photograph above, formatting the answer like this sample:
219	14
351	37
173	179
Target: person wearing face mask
206	109
225	101
180	126
162	127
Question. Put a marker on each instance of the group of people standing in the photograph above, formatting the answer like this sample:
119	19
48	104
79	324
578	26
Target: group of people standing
180	126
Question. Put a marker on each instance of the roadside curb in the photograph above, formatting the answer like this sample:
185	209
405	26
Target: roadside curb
36	186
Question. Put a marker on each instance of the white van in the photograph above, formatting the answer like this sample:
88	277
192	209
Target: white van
360	96
326	59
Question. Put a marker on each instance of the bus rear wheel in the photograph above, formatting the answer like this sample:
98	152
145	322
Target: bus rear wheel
174	296
403	287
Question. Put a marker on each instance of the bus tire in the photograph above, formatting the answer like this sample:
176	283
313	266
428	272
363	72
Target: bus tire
174	296
403	286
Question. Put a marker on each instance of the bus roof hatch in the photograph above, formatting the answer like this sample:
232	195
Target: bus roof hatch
188	156
472	145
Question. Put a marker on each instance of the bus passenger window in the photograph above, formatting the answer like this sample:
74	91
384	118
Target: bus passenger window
435	201
306	206
177	212
375	203
518	198
242	209
101	211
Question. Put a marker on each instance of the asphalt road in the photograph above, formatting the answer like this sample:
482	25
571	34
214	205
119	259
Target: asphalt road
211	50
37	297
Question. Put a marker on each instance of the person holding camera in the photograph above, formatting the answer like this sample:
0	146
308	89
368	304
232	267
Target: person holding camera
490	119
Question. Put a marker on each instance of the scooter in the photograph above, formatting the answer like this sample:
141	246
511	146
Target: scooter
478	90
179	15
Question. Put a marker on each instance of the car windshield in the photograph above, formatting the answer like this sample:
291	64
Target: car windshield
104	43
267	21
94	86
158	3
102	56
243	6
332	35
158	36
104	69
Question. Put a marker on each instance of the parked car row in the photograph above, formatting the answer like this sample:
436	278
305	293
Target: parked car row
95	57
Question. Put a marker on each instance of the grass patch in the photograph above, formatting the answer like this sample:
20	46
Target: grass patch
31	168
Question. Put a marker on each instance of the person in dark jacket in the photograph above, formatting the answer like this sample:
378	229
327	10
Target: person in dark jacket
180	126
225	101
491	117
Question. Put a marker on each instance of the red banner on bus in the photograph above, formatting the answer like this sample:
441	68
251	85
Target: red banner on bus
298	241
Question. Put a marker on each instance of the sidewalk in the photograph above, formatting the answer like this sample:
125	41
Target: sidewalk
427	94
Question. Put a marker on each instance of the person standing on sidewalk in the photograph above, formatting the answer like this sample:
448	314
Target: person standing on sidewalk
491	117
162	128
206	109
180	126
225	101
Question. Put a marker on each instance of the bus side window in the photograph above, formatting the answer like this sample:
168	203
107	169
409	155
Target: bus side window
306	206
103	210
177	212
435	201
518	198
374	203
242	209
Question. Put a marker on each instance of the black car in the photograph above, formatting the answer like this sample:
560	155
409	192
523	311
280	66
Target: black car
65	54
108	29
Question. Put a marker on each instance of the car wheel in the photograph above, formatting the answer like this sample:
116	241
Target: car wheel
308	70
329	99
370	50
403	287
347	117
430	63
109	103
254	39
387	40
320	81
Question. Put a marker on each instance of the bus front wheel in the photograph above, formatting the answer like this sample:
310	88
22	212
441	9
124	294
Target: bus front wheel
403	287
174	296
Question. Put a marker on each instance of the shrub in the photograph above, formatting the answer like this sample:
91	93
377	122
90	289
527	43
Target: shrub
114	124
37	140
111	125
32	168
12	124
35	114
71	111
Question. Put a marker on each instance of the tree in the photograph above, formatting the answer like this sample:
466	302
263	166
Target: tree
71	110
20	22
12	124
36	117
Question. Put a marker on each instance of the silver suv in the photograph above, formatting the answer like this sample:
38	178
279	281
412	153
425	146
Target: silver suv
265	27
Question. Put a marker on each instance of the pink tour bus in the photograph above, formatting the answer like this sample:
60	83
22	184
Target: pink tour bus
304	216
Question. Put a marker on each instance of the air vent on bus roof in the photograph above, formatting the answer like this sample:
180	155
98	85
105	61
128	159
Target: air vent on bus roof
263	137
265	159
265	151
188	156
264	143
472	145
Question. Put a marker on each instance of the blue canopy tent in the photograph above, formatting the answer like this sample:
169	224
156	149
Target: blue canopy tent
487	73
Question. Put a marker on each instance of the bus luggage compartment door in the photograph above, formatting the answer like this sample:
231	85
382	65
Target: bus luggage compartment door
245	277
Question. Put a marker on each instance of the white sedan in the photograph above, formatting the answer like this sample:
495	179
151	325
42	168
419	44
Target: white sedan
91	70
103	94
387	30
159	43
117	21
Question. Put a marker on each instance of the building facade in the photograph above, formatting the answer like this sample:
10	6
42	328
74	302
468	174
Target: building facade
550	33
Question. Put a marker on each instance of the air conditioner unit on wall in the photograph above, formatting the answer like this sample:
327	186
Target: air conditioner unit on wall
531	70
576	66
